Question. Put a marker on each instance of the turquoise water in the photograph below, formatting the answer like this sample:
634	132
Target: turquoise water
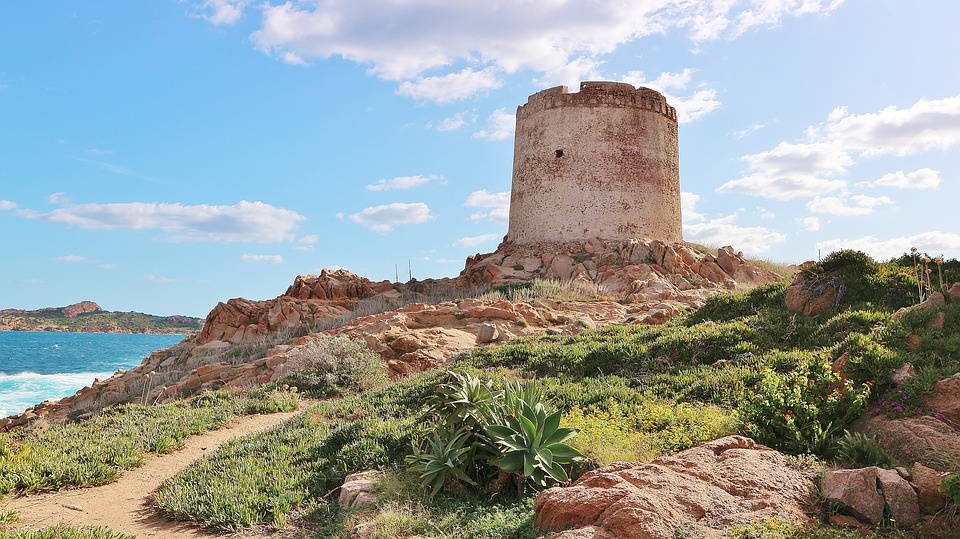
38	365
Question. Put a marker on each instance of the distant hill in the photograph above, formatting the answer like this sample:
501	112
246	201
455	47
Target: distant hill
87	316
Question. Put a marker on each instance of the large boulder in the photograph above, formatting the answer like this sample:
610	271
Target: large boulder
702	490
867	493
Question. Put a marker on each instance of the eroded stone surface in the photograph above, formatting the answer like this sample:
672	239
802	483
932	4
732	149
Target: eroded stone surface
704	489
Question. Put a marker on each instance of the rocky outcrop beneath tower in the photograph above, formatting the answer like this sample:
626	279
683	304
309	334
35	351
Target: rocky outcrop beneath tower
653	273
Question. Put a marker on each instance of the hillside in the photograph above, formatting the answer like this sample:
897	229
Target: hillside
848	376
89	317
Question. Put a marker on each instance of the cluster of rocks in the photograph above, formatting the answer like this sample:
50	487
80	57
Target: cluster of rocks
636	270
701	491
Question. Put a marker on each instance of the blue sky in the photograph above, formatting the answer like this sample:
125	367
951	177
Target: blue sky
163	156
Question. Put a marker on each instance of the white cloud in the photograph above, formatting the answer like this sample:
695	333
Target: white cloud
924	178
451	87
158	279
7	205
933	241
809	169
497	215
383	218
418	40
688	207
748	130
70	258
784	187
400	182
221	12
854	205
499	204
723	231
500	125
262	259
306	243
241	222
926	125
458	120
809	224
690	108
764	213
486	199
473	241
791	170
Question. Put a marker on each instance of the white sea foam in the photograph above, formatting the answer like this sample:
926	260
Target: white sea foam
24	389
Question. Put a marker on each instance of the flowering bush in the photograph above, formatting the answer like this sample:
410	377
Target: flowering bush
801	411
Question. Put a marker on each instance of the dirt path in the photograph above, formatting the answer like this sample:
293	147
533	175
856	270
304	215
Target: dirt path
123	506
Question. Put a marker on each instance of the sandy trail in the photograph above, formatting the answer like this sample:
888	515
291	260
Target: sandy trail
123	506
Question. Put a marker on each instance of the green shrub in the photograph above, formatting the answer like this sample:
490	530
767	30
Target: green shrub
801	411
859	450
726	307
950	487
327	366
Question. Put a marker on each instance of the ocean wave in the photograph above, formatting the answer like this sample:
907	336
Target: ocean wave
24	389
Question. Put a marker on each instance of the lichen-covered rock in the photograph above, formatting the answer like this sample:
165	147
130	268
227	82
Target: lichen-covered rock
704	489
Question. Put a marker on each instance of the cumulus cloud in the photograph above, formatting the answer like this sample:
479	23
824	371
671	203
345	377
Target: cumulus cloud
422	42
933	241
451	87
924	178
7	205
688	207
854	205
815	167
400	182
473	241
458	120
926	125
809	224
689	107
383	219
725	231
496	206
221	12
306	243
500	125
791	170
70	258
239	223
262	259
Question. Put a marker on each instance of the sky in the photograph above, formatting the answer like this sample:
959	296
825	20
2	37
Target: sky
164	156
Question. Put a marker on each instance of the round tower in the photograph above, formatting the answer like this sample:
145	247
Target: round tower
603	162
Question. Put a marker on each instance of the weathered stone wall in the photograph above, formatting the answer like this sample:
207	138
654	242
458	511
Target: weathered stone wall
602	162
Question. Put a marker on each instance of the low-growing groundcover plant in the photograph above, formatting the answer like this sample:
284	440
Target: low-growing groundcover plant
96	451
62	531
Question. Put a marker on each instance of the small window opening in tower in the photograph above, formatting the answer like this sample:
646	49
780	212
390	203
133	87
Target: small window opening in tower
559	153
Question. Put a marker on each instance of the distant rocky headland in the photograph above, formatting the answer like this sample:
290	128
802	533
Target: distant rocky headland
88	317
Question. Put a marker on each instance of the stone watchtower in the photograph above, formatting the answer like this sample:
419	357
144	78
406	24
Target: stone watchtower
603	162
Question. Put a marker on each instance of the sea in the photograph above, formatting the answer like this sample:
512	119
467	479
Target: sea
41	365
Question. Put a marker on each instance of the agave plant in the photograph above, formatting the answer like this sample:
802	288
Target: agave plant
465	400
443	459
532	446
